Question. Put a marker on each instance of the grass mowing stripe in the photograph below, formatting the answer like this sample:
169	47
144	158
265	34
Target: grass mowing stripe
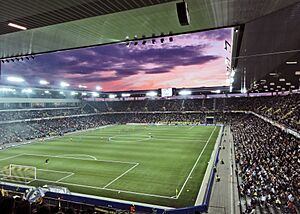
177	196
164	162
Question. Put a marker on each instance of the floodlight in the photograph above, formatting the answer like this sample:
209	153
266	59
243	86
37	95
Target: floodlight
291	62
112	96
7	90
151	94
73	93
15	79
185	92
27	90
216	91
98	88
64	84
232	73
17	26
95	94
44	82
125	95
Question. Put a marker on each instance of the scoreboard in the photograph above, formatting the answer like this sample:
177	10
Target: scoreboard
167	92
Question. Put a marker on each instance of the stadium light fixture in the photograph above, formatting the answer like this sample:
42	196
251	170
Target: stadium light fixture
112	96
64	84
125	95
7	90
17	26
297	73
281	80
185	93
151	94
288	83
95	94
73	93
216	91
27	90
170	36
232	73
272	74
98	88
291	62
15	79
44	82
144	40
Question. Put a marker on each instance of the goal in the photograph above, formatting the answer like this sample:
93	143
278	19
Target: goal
21	173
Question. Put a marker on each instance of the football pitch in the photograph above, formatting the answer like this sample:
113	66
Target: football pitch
160	165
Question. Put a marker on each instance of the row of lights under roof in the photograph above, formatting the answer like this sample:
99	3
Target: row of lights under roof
135	40
63	84
17	59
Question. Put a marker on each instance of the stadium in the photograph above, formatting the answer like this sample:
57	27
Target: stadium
150	106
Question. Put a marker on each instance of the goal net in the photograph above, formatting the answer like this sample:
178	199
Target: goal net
20	173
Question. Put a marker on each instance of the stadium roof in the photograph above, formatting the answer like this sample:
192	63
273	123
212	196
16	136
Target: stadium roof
268	51
266	26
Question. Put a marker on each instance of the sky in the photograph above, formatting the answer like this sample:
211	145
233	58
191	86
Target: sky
191	60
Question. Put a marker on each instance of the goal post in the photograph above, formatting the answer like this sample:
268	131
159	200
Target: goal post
21	173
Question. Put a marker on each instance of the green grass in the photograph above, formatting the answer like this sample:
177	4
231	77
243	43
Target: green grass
123	162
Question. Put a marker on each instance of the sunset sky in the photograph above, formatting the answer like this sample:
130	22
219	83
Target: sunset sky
191	60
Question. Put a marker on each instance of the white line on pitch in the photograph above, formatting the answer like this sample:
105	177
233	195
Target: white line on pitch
107	189
193	168
53	156
78	155
137	193
50	170
121	175
64	177
11	157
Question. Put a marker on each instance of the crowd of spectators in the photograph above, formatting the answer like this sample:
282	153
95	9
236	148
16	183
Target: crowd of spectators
268	163
283	109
